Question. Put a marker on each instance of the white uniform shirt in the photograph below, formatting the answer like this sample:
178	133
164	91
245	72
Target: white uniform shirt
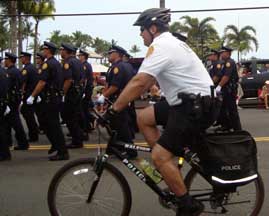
176	68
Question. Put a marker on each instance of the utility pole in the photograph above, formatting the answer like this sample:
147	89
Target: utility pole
162	3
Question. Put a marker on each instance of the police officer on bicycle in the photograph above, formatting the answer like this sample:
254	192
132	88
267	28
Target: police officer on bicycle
185	83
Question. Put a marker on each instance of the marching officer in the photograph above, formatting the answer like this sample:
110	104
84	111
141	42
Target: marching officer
119	75
14	100
30	79
72	70
214	65
227	85
40	58
50	84
4	110
87	103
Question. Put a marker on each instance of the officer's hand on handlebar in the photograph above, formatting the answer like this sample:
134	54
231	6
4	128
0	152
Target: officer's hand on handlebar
108	116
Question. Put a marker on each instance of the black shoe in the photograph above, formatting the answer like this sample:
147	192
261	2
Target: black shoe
21	147
51	150
59	156
5	157
188	206
74	146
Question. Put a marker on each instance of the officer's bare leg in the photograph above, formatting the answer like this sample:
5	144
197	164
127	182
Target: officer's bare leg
266	101
147	125
163	160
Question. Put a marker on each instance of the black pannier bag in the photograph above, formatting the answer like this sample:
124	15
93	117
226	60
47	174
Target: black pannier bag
229	158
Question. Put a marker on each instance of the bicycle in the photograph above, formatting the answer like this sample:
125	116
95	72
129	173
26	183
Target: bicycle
93	186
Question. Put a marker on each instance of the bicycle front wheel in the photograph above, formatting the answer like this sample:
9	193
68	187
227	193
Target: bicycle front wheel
245	200
70	187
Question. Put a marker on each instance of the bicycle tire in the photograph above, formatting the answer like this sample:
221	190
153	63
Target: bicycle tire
80	169
193	177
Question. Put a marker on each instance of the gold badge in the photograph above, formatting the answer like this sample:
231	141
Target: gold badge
150	51
219	66
24	72
39	71
66	66
116	70
44	66
85	68
228	64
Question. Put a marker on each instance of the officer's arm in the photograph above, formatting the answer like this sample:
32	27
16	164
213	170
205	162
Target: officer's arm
110	91
224	80
136	87
67	85
39	87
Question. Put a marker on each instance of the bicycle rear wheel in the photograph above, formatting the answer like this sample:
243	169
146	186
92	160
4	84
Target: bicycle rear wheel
69	190
246	200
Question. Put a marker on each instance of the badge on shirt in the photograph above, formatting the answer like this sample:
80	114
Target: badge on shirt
84	68
219	66
24	72
150	51
66	66
116	70
39	71
228	64
44	66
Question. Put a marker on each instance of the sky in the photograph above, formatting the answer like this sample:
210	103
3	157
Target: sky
121	29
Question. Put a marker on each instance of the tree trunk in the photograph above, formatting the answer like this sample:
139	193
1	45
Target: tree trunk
36	39
238	56
13	26
162	3
19	6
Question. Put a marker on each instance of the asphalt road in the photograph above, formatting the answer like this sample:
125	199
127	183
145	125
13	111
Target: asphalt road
24	180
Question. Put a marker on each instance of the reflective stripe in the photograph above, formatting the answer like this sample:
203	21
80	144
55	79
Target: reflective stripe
214	178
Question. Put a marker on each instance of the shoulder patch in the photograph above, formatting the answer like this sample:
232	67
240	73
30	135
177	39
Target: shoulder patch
39	71
150	51
116	70
228	64
44	66
85	68
66	66
219	66
24	72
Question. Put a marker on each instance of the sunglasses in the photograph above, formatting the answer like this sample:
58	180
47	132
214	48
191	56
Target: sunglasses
142	28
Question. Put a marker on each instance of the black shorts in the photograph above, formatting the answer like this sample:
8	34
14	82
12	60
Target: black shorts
161	110
180	126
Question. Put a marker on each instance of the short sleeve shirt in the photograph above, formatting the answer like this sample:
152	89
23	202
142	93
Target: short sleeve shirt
176	68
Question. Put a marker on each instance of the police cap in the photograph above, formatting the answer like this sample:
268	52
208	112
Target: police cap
49	45
84	53
212	52
40	55
68	47
158	16
180	36
225	49
25	54
115	48
10	56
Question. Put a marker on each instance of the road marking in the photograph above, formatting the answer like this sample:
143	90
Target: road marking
102	145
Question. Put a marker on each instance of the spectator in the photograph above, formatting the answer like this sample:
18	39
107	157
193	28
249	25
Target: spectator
264	94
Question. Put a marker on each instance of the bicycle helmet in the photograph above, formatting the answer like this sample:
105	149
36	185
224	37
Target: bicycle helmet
159	16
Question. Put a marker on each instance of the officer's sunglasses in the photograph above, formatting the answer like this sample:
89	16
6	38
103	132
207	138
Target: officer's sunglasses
142	28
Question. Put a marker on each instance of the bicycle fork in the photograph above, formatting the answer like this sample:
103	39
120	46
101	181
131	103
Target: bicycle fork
98	168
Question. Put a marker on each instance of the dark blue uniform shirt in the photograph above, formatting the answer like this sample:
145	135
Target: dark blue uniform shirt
72	69
30	78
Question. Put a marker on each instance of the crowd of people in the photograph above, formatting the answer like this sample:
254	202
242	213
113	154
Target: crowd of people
58	92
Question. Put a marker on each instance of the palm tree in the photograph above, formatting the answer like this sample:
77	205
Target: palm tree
10	7
37	8
55	37
241	39
100	46
201	34
81	40
27	31
4	36
135	49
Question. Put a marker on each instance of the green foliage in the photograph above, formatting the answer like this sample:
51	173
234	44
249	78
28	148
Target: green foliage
4	35
135	49
241	39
